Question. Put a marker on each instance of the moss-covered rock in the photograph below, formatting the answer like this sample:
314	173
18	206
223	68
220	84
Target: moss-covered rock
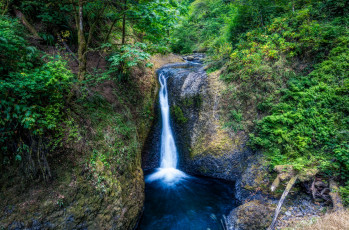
253	215
256	177
206	146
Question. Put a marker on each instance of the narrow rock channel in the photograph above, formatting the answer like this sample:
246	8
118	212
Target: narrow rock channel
174	199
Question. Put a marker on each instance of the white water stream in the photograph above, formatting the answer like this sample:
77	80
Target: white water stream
168	172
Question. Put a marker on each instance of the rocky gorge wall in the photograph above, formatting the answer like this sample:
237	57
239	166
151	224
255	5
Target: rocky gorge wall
206	146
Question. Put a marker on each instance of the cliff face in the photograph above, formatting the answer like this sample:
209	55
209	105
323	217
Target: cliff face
205	146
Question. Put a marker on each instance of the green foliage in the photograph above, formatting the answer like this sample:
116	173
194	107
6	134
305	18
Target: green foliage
309	127
32	98
344	191
199	30
128	57
157	19
235	118
286	66
35	99
178	114
15	53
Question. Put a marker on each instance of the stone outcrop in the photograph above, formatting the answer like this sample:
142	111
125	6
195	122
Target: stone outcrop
205	146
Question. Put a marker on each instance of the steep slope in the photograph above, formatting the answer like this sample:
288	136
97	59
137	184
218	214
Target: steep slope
98	181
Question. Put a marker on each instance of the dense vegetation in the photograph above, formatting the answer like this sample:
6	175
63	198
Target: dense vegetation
46	74
286	64
32	101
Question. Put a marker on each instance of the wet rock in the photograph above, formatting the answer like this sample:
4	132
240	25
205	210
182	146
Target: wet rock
255	178
205	146
196	57
190	58
253	215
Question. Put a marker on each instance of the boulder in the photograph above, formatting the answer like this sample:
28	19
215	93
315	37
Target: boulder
253	215
190	58
255	179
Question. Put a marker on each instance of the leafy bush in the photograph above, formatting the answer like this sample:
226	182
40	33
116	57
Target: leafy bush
15	53
309	127
128	56
32	101
199	30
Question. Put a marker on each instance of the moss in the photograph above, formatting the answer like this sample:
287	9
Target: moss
178	115
192	101
216	143
254	215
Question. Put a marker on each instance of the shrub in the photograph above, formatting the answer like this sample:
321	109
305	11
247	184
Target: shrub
128	56
31	101
309	127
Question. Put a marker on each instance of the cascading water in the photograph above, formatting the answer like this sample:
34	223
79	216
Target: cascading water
168	147
168	171
173	199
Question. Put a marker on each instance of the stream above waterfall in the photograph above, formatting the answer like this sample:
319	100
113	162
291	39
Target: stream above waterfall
174	199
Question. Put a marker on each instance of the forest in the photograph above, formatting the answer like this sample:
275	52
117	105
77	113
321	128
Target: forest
78	94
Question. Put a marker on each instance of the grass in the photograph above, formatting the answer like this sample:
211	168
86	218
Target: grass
331	221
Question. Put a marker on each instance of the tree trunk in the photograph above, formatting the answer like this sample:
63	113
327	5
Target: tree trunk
25	22
124	24
81	43
4	10
106	39
281	201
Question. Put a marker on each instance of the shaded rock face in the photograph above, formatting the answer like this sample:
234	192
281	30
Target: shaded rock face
83	207
205	147
255	179
253	215
151	148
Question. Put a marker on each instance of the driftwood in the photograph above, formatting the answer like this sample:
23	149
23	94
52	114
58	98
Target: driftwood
25	22
335	197
320	190
281	201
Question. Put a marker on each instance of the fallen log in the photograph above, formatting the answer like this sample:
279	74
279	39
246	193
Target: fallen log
25	22
281	201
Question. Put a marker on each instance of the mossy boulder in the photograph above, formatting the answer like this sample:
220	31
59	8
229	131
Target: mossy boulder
256	177
253	215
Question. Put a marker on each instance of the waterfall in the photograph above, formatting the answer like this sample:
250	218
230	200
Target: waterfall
168	147
168	171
